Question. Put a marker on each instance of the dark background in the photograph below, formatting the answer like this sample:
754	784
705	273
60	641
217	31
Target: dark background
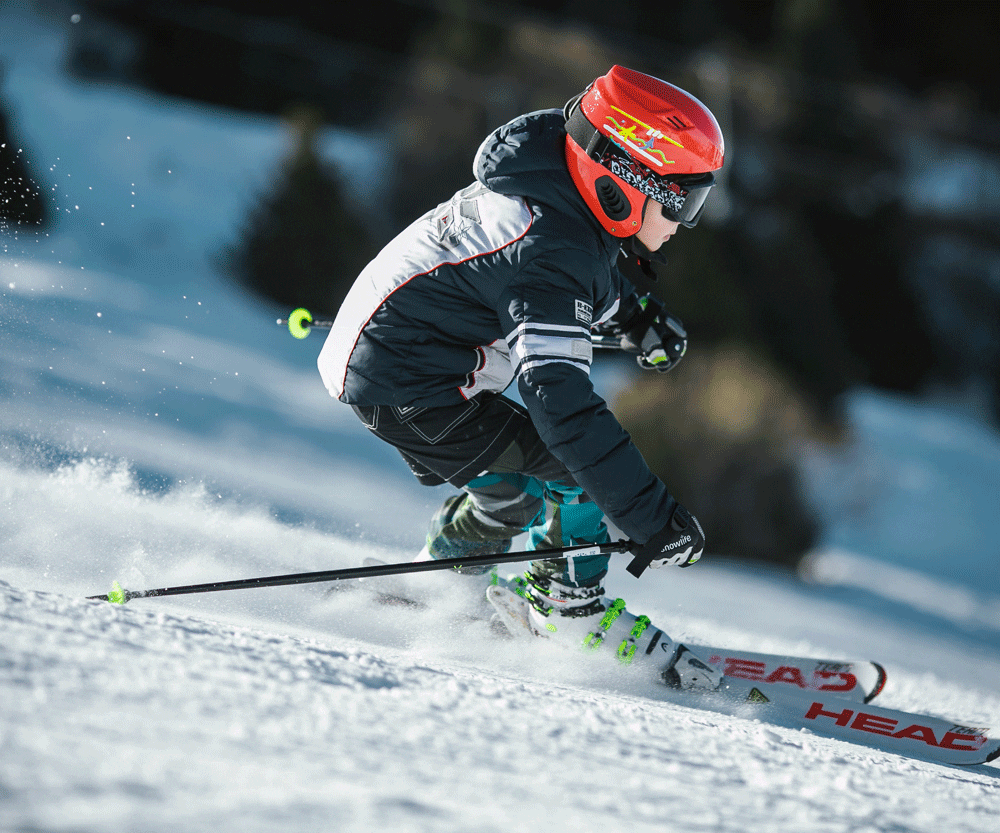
853	239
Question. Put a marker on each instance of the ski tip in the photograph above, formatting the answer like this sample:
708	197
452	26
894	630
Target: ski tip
299	321
879	683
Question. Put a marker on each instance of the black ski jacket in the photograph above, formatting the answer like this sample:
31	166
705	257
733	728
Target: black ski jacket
504	281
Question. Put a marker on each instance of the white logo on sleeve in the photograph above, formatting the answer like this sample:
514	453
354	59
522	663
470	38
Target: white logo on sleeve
584	312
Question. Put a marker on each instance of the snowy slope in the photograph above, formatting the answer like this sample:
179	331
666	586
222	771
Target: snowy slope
157	428
143	719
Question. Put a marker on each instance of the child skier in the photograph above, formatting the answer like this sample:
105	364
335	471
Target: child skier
507	281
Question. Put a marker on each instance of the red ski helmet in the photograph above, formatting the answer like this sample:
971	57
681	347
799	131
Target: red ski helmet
631	137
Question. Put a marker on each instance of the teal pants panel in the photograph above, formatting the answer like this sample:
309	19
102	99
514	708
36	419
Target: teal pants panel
552	513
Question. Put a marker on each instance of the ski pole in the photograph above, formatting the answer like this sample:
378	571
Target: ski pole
120	596
300	323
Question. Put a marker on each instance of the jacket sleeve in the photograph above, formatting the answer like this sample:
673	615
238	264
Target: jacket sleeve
628	309
546	314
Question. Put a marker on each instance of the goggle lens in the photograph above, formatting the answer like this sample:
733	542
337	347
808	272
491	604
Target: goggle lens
691	202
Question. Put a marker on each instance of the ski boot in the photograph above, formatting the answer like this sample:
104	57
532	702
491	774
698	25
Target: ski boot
582	617
456	533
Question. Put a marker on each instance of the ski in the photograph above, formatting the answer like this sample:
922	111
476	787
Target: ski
890	730
829	698
851	680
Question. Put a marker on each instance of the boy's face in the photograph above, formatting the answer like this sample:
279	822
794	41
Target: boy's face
656	229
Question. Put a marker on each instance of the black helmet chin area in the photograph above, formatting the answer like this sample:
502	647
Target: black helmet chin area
641	251
645	257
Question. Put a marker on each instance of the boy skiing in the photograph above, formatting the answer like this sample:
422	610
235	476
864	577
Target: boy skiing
507	281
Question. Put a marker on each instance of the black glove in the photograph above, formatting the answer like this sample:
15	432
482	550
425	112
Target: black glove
658	338
679	544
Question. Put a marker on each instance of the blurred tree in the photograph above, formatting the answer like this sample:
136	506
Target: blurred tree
21	204
843	221
263	56
303	244
465	76
931	46
722	431
766	285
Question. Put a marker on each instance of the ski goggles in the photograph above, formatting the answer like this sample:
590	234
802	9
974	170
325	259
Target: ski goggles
691	196
681	197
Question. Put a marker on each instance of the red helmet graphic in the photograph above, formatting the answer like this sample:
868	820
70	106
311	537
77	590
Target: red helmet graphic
631	137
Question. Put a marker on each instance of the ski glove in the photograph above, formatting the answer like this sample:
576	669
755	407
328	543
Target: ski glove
658	338
679	544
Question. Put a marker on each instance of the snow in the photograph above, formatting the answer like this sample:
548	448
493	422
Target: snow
157	428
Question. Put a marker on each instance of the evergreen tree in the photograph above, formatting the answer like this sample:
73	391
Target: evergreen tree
303	244
21	203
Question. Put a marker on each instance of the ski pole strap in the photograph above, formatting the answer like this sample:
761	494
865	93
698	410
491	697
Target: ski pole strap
638	565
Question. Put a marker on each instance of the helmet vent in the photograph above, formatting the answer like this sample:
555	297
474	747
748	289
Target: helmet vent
612	199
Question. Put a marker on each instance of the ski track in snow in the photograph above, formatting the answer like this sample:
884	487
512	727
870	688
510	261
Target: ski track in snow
141	440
